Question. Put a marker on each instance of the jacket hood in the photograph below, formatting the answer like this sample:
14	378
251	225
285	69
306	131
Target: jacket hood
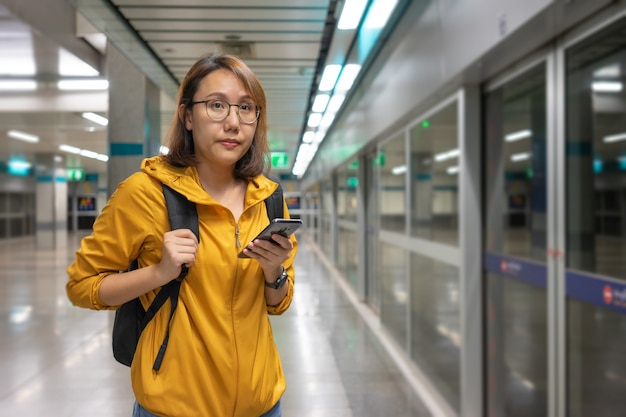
187	182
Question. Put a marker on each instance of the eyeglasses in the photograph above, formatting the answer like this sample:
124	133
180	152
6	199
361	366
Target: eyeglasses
218	110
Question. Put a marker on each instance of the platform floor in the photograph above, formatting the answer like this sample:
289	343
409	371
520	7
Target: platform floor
56	360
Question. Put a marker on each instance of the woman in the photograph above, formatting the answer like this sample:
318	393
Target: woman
221	358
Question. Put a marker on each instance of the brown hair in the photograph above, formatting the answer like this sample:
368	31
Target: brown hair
180	140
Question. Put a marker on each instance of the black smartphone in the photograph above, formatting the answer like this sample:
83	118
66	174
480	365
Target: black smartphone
284	227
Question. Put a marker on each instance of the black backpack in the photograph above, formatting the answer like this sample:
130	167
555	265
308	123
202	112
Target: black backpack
130	317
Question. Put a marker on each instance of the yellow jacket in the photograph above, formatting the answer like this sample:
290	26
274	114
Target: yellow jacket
221	359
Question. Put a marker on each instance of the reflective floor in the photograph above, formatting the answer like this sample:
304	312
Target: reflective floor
56	360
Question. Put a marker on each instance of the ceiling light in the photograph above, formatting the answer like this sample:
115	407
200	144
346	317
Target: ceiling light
82	85
608	71
308	136
335	103
614	138
351	14
401	169
319	105
25	137
447	155
314	120
607	87
452	170
379	13
520	156
18	85
348	74
70	149
327	120
96	118
329	77
519	135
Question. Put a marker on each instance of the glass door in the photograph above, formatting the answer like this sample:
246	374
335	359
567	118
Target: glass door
595	222
515	257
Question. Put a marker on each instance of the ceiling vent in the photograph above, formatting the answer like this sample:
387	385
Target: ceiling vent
240	49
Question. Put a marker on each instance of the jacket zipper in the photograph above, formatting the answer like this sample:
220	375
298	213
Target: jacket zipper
237	236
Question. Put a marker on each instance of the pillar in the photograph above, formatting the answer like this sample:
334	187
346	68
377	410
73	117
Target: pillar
50	202
134	117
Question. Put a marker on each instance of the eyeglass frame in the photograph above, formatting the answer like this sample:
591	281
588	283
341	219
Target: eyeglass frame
206	109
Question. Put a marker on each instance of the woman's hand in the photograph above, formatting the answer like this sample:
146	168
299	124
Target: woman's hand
270	255
179	248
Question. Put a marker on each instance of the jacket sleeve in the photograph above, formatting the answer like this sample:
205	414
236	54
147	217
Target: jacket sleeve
289	267
124	228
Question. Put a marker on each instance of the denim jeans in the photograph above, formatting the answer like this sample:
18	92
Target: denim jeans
139	411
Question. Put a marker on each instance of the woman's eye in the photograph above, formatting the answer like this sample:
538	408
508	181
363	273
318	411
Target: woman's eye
217	105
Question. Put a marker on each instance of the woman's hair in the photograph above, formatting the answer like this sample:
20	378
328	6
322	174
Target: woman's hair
180	140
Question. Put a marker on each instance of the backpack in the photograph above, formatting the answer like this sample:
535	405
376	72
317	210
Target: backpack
130	317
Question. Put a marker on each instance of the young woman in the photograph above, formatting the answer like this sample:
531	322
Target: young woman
221	359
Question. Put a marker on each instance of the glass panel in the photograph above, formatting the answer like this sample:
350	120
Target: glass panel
434	166
392	168
596	154
347	181
516	352
436	334
370	187
348	257
327	214
394	297
516	172
596	219
516	226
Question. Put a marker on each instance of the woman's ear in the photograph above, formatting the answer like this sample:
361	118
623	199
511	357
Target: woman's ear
185	116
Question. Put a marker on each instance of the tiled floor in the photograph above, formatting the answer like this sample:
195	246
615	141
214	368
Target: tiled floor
56	360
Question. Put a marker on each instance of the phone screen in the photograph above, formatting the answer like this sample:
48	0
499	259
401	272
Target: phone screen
284	227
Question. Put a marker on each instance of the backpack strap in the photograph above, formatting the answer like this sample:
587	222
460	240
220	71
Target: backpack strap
182	214
274	204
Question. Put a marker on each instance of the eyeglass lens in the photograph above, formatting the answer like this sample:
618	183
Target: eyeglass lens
219	110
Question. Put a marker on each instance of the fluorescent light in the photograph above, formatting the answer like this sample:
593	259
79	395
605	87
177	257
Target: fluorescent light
335	103
18	85
351	14
82	85
308	136
320	103
314	119
329	77
607	86
614	138
609	71
327	120
521	134
70	149
23	136
348	74
379	13
400	169
84	152
319	137
96	118
447	155
521	156
452	170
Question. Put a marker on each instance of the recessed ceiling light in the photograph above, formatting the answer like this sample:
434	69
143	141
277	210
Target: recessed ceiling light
23	136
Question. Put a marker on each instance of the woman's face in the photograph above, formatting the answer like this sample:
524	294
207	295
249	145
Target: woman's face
220	143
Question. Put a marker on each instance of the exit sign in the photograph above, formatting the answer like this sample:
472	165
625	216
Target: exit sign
75	174
280	160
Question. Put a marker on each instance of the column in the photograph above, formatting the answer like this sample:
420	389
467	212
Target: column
134	118
50	202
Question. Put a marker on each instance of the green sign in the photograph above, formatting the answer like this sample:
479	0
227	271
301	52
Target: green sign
75	174
280	160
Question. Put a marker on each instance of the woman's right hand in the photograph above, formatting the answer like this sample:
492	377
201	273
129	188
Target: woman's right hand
179	248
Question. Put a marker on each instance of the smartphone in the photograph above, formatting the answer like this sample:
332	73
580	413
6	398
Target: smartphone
284	227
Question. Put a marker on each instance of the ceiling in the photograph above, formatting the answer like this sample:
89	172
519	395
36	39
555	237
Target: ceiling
283	41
